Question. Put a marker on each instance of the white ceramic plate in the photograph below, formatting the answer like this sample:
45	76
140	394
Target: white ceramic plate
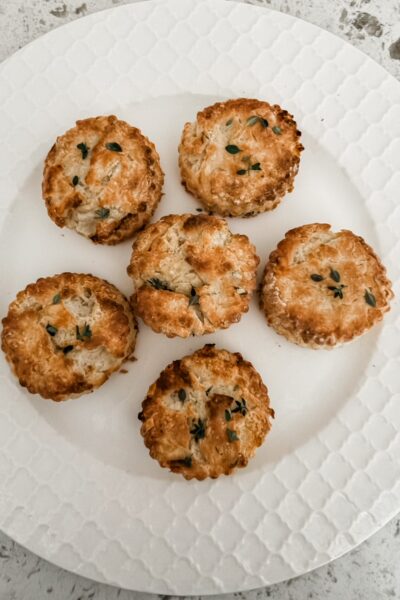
77	485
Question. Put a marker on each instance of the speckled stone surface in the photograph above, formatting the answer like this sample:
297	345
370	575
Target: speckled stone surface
370	572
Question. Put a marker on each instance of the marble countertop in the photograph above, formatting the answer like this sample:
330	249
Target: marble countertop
371	571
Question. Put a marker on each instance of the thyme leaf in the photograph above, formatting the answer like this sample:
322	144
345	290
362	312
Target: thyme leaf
240	407
51	330
113	146
102	212
370	298
198	430
335	275
232	435
84	149
182	395
232	149
84	334
158	284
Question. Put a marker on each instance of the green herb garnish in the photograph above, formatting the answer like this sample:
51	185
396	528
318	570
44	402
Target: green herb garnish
335	275
84	334
182	395
75	180
256	119
232	149
84	149
232	435
194	298
316	277
277	130
51	330
184	462
158	284
67	349
254	167
113	146
228	415
370	298
229	122
57	298
240	407
198	430
337	291
252	121
208	390
102	213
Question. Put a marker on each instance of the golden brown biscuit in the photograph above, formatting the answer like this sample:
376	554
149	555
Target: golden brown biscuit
103	179
191	275
240	157
64	335
322	288
206	414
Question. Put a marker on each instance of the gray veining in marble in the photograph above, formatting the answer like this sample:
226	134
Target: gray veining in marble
371	571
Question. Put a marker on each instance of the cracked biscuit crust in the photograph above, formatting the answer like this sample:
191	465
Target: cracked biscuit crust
191	275
206	414
240	157
103	179
322	288
64	335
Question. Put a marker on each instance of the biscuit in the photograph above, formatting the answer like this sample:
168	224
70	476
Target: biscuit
240	157
103	179
191	275
323	288
64	335
206	414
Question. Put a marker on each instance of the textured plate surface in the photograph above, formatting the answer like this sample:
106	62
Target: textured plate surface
76	484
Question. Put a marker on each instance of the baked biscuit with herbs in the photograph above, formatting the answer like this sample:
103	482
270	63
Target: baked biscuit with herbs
64	335
191	275
103	179
240	157
323	288
206	414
